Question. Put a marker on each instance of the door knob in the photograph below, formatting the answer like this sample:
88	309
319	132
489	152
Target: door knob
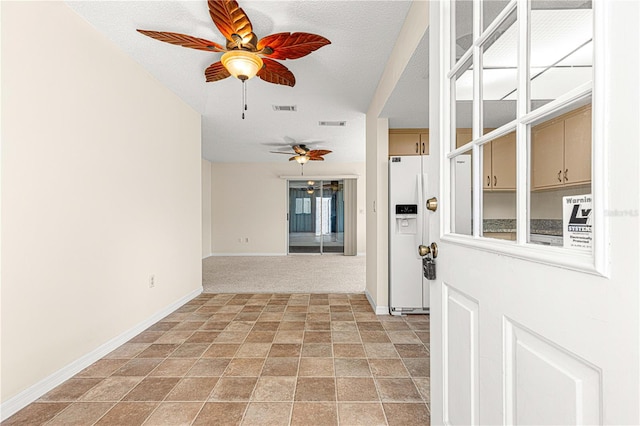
428	250
432	204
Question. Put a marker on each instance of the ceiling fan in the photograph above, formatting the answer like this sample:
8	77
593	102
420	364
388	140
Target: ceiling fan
302	153
245	55
311	186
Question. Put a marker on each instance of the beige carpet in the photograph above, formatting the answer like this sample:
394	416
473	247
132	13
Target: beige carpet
284	274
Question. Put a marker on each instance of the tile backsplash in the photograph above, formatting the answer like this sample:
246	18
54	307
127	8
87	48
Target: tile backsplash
544	204
499	210
538	226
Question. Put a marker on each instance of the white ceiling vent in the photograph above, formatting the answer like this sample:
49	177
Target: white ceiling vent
285	108
332	123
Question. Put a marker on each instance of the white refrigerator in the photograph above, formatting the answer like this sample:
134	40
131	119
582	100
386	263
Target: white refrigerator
408	228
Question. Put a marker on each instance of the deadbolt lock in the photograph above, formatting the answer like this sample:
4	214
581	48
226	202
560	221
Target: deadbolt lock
432	204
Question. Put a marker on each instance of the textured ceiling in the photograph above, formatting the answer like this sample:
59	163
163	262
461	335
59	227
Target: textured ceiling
336	82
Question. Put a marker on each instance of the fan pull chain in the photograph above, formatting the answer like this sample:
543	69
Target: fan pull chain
244	97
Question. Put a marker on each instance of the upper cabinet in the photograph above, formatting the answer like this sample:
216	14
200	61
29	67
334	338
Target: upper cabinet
408	142
463	136
561	150
498	160
499	163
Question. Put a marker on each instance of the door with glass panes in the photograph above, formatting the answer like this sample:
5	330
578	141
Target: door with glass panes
535	308
316	217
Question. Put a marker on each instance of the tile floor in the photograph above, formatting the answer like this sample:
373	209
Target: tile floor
255	359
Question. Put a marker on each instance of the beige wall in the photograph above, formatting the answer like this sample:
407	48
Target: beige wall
206	208
249	200
100	189
544	204
548	204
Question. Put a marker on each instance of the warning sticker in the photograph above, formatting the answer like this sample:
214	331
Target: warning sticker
577	222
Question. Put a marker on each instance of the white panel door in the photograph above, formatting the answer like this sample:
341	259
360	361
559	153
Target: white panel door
517	341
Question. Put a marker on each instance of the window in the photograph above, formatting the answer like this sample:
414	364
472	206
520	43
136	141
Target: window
519	111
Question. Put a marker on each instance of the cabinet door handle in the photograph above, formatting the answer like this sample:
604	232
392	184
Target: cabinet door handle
565	175
495	181
423	147
559	174
417	150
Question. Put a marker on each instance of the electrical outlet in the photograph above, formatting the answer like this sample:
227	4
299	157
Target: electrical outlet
152	281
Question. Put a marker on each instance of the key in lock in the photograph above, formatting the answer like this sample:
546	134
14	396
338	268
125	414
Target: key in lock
429	268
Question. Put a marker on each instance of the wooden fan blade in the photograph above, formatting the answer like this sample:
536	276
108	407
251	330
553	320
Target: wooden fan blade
215	72
280	152
292	158
317	152
291	46
184	40
316	159
300	149
276	73
230	19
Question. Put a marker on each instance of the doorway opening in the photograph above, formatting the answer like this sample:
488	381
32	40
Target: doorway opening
316	216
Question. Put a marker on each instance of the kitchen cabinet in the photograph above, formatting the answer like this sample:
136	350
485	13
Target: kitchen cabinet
408	142
499	163
463	136
499	160
561	150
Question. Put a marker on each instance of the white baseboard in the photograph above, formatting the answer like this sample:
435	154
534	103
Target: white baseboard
382	310
379	310
263	254
247	254
29	395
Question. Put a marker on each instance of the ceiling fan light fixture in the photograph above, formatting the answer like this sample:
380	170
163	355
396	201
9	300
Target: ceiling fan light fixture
302	159
241	64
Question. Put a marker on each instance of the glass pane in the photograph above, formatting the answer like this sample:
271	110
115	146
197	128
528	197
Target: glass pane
332	217
560	199
462	196
561	48
500	75
304	211
462	28
499	188
491	9
463	106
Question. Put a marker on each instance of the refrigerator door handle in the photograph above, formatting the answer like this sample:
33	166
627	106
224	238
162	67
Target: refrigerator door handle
418	236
